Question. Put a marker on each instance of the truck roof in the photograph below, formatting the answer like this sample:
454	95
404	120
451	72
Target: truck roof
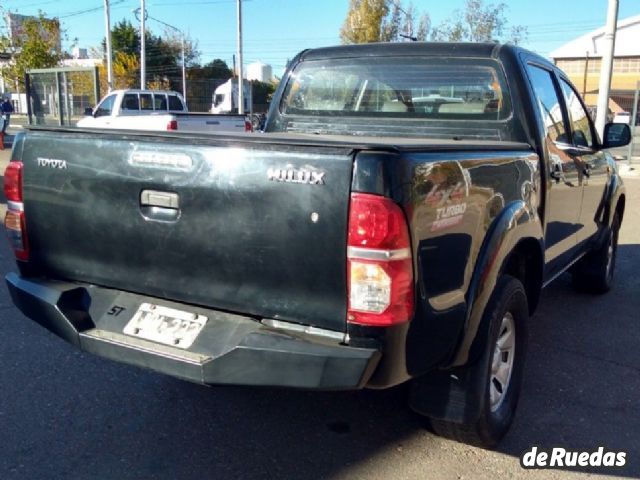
399	49
137	90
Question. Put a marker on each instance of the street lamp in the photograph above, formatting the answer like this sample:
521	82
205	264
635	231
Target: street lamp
184	71
143	58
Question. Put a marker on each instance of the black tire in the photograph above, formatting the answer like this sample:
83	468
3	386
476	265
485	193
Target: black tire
594	273
492	422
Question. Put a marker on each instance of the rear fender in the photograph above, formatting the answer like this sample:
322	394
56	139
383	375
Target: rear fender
515	223
615	190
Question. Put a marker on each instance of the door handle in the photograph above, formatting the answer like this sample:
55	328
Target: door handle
160	206
155	198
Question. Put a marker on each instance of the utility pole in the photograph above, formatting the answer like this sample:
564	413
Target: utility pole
607	66
240	72
632	121
143	59
184	72
586	72
107	21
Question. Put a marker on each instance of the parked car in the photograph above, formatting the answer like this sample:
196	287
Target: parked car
157	110
362	241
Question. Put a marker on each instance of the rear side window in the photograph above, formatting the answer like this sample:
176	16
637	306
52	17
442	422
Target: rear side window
549	104
413	87
130	102
175	103
146	101
160	101
578	116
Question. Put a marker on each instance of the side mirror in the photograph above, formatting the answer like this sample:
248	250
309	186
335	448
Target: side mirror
88	112
616	135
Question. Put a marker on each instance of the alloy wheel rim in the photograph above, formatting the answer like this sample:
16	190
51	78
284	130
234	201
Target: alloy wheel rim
502	362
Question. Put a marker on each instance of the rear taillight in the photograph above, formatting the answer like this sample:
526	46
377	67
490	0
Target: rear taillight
13	182
14	221
380	269
172	125
248	127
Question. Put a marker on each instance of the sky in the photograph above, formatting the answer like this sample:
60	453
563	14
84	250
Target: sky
275	30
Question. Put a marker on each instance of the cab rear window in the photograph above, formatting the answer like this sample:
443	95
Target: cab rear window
412	87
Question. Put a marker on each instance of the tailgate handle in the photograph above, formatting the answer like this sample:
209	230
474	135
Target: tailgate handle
154	198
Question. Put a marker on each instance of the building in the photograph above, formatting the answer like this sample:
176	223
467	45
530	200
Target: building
15	27
80	58
581	60
259	71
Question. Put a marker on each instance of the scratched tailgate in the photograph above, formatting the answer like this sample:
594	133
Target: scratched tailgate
239	226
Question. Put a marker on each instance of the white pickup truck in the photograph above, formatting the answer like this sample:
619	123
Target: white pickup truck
157	110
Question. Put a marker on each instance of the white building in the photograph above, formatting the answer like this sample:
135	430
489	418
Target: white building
581	60
259	71
80	58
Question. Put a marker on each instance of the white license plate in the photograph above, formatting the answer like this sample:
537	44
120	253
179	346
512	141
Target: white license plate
165	325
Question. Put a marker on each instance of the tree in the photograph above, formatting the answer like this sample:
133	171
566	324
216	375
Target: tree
124	38
37	47
382	21
390	21
126	71
163	57
364	22
262	92
479	22
216	69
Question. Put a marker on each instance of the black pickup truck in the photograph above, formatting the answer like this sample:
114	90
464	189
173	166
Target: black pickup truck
395	222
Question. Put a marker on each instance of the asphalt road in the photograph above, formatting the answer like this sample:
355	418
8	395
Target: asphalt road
68	415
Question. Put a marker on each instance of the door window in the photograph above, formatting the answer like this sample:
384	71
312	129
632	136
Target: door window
548	103
106	107
578	116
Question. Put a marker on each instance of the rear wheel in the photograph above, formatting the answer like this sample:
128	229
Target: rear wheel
490	387
594	273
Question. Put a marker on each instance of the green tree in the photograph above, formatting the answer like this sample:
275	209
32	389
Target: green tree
262	92
218	68
125	38
38	47
478	22
163	56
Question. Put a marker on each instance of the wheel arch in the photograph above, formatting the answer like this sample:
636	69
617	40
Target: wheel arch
526	263
513	245
620	205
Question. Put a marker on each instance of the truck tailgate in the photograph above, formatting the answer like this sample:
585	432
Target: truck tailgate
211	224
